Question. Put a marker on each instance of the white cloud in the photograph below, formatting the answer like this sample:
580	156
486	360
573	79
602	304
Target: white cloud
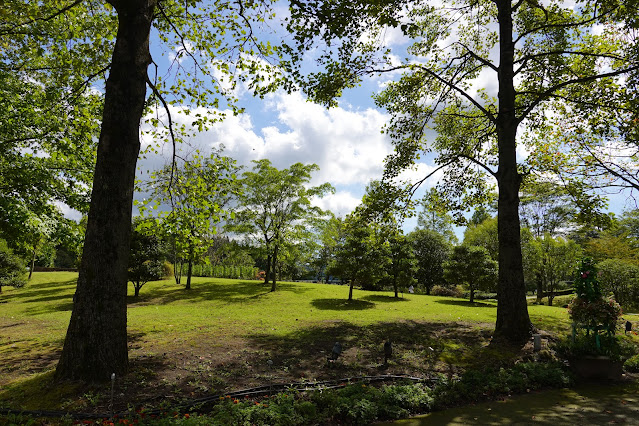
419	172
67	211
341	203
346	144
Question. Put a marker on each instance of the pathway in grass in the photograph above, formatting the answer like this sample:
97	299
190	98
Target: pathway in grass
593	404
227	334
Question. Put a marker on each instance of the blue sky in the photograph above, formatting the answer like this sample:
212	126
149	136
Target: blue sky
346	142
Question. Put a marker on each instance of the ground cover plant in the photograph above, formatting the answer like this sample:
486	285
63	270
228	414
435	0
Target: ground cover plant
225	335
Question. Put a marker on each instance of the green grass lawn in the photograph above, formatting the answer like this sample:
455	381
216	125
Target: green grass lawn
222	334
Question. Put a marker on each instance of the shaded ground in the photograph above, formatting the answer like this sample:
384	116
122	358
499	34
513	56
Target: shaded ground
585	405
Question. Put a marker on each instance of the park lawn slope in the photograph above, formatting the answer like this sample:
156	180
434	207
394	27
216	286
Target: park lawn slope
228	334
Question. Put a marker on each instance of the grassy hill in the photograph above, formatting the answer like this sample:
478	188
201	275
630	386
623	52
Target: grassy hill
228	334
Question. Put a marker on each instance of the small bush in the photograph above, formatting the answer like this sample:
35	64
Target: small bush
481	295
167	270
477	385
632	364
439	290
617	348
12	269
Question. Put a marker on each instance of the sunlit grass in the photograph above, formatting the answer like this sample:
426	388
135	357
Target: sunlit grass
244	316
38	314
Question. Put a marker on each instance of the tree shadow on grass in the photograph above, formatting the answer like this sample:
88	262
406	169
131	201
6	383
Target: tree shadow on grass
342	304
50	307
228	292
53	297
383	299
49	290
419	349
466	303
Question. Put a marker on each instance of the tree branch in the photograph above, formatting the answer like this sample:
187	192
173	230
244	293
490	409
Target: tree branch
43	19
157	93
479	58
548	92
527	58
564	25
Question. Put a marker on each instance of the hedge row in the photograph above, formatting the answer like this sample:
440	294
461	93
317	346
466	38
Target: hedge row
225	271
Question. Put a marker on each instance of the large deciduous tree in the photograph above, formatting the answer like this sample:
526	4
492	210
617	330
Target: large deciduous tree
431	250
49	120
359	256
402	264
620	278
275	206
550	261
146	258
70	46
472	267
198	194
537	56
433	217
546	208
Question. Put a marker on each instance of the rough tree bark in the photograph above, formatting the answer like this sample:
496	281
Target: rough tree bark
96	340
513	323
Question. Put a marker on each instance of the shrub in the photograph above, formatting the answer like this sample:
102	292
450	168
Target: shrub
604	312
12	269
619	277
167	269
617	348
439	290
632	364
476	385
145	259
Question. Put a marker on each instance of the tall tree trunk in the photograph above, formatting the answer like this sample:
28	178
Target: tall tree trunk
350	289
274	286
472	294
513	323
189	270
137	288
96	342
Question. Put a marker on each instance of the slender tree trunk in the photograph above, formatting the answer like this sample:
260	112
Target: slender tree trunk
395	285
350	289
513	323
472	294
540	289
96	342
267	273
137	288
274	286
177	265
33	258
189	270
